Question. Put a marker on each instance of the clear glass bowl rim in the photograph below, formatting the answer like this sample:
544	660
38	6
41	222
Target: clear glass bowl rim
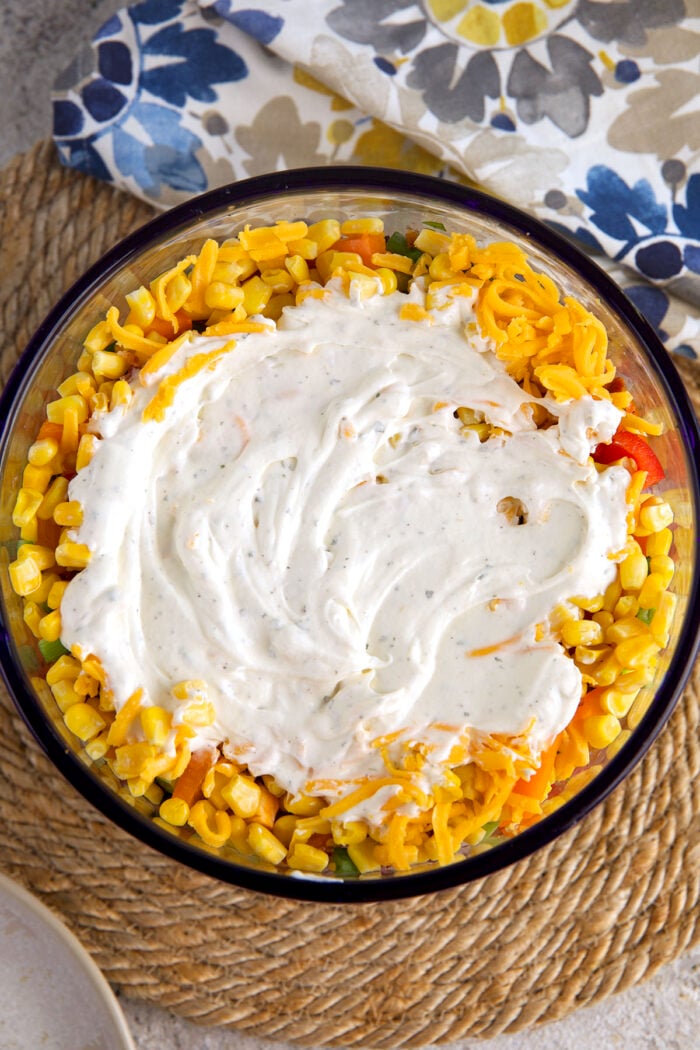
388	183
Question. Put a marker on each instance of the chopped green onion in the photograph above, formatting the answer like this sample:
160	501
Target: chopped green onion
646	615
52	650
344	864
434	225
398	244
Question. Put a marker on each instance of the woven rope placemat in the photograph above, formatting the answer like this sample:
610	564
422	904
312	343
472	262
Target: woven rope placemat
592	914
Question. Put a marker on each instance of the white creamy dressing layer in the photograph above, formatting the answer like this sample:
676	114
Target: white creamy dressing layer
309	536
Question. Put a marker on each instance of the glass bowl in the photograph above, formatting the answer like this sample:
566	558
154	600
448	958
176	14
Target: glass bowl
402	200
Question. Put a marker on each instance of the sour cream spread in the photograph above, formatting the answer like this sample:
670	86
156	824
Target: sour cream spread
311	531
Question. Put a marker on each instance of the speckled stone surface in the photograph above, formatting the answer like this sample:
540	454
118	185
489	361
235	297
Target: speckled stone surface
37	40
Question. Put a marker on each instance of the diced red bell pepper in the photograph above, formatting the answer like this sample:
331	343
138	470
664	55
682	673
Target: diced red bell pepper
363	244
637	448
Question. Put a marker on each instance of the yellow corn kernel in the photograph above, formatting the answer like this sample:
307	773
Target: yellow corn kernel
175	811
155	722
284	828
142	307
55	410
607	671
601	730
617	703
25	577
591	605
212	825
388	280
84	720
99	337
43	451
633	571
130	759
55	494
655	517
663	617
663	567
42	556
71	430
304	248
393	262
604	618
37	479
97	748
280	280
65	669
26	505
362	286
71	384
612	595
266	845
297	267
626	627
303	805
324	234
627	605
30	531
432	241
350	834
72	555
64	694
370	224
86	449
56	592
363	856
650	594
581	632
272	786
307	858
69	513
256	295
221	296
50	626
122	394
441	269
154	793
585	656
32	614
99	403
243	795
637	651
659	543
108	364
277	304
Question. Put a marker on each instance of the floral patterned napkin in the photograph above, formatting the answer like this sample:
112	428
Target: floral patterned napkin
583	112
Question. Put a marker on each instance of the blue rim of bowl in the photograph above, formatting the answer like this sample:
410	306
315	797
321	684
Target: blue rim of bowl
330	889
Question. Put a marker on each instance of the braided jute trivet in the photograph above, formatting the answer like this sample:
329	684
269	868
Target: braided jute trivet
594	913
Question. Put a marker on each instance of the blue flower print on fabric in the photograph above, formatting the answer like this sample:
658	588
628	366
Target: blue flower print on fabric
661	239
203	62
147	65
259	24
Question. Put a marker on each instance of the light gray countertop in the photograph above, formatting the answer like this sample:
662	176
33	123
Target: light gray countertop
37	40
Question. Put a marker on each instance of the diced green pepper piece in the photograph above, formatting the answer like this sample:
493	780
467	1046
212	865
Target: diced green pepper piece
52	650
344	864
398	244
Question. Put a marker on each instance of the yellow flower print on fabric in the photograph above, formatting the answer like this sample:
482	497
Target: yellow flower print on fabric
495	25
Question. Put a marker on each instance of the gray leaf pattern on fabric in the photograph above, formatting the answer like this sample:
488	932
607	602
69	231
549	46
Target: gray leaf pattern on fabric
364	22
433	73
627	22
561	94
